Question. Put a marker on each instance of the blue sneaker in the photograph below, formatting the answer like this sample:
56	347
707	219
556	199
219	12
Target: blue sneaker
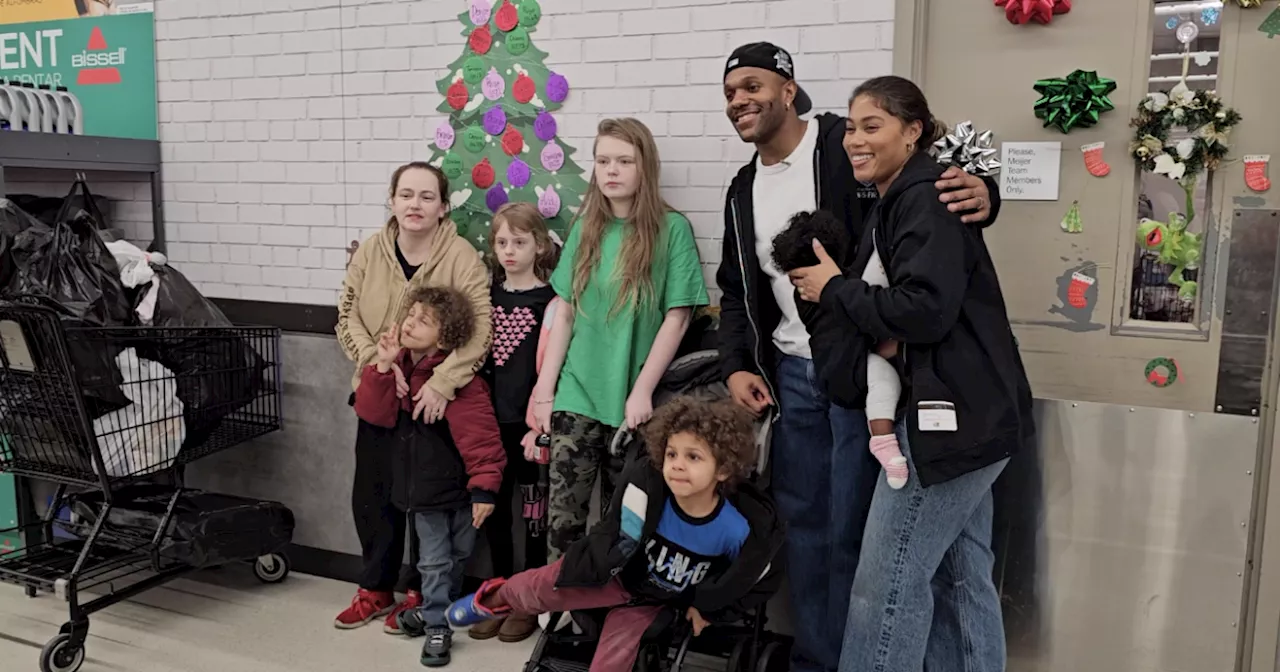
468	611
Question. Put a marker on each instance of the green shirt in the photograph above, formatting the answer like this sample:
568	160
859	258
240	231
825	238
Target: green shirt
608	347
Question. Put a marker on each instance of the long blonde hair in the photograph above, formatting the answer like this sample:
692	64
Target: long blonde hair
644	225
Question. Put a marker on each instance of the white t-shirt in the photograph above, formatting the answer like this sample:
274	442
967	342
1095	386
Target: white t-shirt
780	191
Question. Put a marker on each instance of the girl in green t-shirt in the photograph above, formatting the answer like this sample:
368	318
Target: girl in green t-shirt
631	274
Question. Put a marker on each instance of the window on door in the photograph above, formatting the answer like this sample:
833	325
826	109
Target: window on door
1185	47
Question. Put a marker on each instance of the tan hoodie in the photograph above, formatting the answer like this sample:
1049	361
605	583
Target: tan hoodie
374	293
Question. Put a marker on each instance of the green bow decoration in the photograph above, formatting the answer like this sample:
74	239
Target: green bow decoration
1074	101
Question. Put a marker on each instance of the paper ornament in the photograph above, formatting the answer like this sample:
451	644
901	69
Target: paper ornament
1074	101
444	135
517	41
549	203
1255	172
1093	161
557	87
451	166
1071	222
479	12
512	141
495	120
507	16
544	126
530	13
473	69
552	157
457	95
480	39
474	139
1019	12
1076	291
493	87
496	197
1270	26
968	150
1161	372
518	174
524	89
482	174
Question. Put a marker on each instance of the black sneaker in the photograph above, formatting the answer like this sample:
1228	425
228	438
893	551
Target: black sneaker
411	623
435	651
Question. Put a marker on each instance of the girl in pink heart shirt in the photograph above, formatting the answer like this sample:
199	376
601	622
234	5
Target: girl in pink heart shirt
524	255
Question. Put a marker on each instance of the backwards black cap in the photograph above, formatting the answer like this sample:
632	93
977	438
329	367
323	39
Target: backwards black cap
769	57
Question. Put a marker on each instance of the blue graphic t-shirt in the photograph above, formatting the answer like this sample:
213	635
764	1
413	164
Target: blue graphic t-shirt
686	550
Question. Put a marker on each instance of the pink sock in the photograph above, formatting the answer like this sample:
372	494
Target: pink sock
885	448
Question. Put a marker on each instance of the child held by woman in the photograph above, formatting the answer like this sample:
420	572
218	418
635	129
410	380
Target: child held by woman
447	474
628	309
686	530
523	257
850	374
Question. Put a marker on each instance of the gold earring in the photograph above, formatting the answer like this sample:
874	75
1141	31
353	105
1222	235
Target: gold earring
911	147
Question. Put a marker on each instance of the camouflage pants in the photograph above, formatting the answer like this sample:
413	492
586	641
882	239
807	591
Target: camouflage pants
579	452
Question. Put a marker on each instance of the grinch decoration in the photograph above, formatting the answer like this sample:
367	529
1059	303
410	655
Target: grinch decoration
1074	101
1019	12
1172	244
500	141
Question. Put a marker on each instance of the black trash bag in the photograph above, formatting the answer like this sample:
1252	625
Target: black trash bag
206	529
49	209
13	221
217	372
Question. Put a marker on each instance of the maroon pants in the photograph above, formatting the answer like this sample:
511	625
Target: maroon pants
534	592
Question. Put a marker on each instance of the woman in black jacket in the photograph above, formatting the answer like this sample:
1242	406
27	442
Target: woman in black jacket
923	595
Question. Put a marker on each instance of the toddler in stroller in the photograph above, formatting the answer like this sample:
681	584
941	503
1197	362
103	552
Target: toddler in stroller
686	538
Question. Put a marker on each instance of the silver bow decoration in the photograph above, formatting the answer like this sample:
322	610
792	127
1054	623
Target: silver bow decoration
969	150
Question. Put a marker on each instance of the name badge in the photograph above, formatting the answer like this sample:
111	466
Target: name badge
936	416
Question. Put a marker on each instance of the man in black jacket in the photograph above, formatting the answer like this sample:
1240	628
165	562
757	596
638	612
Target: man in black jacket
823	473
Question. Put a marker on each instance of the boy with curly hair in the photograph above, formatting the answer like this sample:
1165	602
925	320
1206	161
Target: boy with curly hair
448	473
685	530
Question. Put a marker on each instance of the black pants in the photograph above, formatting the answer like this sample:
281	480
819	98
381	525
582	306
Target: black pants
520	475
380	525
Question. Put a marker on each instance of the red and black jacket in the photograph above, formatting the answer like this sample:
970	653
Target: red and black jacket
446	465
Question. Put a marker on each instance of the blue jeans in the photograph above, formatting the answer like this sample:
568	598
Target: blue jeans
446	539
924	598
823	478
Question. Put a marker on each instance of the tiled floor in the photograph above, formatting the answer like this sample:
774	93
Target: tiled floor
226	621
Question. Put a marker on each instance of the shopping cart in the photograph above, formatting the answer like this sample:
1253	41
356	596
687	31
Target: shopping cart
105	413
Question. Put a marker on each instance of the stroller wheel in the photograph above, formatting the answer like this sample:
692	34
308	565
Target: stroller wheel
59	656
774	657
272	568
738	657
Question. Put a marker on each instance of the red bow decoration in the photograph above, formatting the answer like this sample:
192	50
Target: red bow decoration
1041	11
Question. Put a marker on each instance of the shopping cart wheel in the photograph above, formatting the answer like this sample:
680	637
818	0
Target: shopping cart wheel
272	568
59	656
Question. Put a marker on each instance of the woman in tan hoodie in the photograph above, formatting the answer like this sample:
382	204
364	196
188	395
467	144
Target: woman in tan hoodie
419	246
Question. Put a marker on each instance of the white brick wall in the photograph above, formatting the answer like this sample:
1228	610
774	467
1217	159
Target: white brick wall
281	120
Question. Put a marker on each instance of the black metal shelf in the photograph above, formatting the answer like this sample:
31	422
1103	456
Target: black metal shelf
24	149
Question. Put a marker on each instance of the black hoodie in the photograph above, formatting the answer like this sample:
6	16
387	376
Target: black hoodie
748	311
749	581
944	303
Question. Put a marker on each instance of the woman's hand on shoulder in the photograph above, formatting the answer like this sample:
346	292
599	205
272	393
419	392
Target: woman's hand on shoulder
429	404
963	193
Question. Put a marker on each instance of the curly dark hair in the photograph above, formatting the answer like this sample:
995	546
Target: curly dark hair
452	309
727	428
793	248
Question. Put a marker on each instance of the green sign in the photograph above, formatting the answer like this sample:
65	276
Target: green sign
107	63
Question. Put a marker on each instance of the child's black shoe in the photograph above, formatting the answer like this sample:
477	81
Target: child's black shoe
411	623
435	651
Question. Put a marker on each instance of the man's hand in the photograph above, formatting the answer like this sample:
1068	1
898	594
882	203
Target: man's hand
750	391
965	192
695	618
812	280
480	513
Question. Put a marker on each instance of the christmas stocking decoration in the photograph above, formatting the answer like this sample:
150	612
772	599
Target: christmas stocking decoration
1080	283
1093	159
1255	172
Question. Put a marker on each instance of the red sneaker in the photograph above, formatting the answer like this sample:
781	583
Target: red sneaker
412	600
366	606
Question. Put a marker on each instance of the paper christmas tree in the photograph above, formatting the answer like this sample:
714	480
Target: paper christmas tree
1271	24
501	142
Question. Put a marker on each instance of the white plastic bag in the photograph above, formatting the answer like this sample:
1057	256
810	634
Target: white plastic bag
135	271
146	435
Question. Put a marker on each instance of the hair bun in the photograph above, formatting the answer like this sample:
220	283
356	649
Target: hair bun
936	131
